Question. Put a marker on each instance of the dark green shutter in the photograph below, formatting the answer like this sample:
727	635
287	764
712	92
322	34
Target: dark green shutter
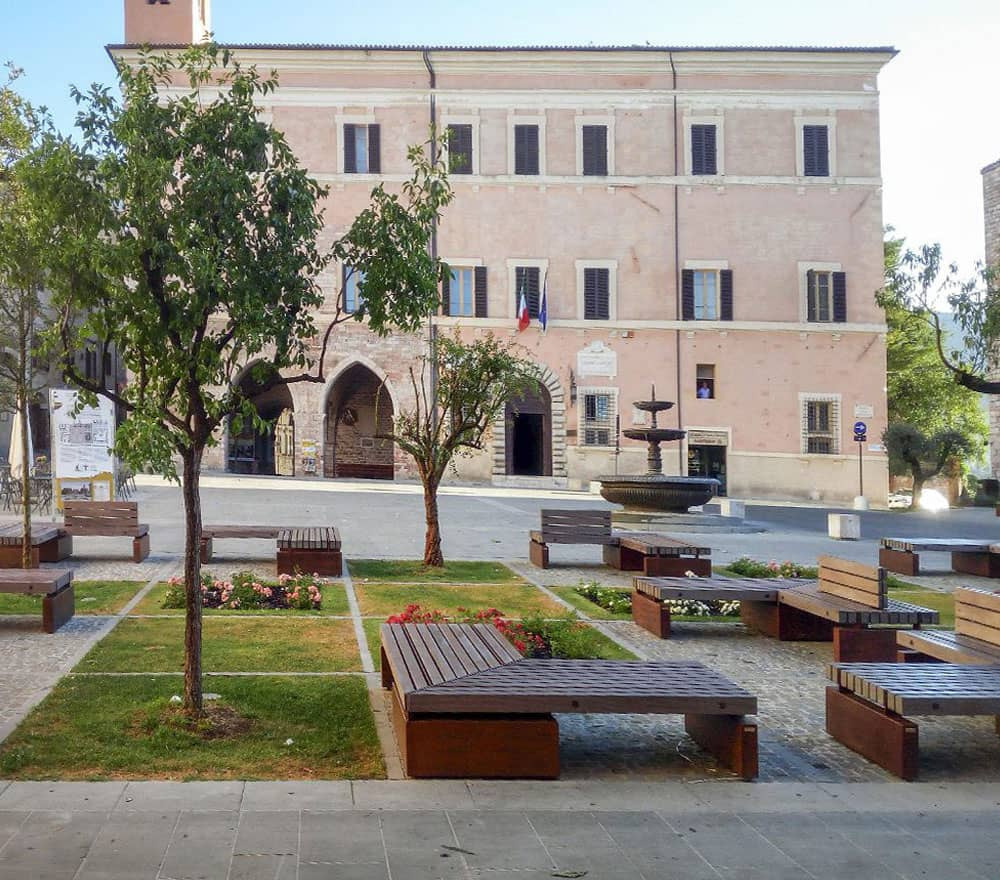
840	297
526	281
596	294
374	149
480	292
446	294
350	158
595	150
810	297
726	294
526	149
815	151
460	149
687	294
703	152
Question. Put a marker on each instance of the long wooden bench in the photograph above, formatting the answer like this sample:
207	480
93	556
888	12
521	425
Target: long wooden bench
975	639
652	554
107	519
867	705
902	555
55	586
466	704
299	548
49	543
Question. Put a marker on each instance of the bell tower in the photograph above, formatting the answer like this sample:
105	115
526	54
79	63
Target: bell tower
167	22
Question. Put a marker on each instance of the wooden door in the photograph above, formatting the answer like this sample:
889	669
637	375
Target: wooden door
284	444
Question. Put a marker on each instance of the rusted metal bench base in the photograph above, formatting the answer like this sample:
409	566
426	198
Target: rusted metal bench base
55	588
785	623
985	565
882	737
651	615
729	738
329	563
54	549
538	554
899	561
626	559
863	645
58	608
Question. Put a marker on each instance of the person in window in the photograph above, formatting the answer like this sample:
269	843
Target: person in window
704	391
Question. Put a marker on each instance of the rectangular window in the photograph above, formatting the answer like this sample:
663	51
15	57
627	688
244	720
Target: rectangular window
816	150
595	150
90	364
526	149
460	149
706	295
705	381
353	284
703	149
362	149
819	427
596	294
461	293
597	416
819	292
526	280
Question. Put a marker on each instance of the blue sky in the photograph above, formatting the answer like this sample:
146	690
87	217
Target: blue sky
940	122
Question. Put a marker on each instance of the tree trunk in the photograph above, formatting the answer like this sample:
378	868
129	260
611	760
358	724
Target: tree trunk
918	485
432	539
192	581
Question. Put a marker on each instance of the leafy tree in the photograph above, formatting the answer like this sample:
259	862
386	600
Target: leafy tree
925	455
475	380
183	232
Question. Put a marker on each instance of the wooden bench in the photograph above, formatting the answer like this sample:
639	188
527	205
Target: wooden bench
48	544
466	704
975	640
902	555
54	585
108	519
649	553
867	705
308	549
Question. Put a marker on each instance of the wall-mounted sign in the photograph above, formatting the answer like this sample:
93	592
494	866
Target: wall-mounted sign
309	456
864	411
707	438
596	360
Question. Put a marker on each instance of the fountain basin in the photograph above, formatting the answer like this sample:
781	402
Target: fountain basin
654	435
658	491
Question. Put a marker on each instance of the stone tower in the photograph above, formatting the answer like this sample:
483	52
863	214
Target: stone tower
167	22
991	217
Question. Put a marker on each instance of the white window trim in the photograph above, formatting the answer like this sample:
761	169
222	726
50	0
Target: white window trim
804	268
465	263
710	266
512	267
447	120
462	262
612	267
831	139
804	398
351	119
609	121
720	145
514	119
582	413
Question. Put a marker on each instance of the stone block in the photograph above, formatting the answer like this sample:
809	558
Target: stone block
731	507
844	526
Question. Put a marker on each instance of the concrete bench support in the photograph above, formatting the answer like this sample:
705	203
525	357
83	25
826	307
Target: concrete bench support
844	526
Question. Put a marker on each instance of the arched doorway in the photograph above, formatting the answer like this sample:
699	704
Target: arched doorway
358	408
252	450
528	426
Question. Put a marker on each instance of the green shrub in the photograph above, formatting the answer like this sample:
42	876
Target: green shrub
747	567
611	599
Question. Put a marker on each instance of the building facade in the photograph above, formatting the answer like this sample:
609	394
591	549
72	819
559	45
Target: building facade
707	221
991	225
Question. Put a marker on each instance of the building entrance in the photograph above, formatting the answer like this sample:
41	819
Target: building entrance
708	461
529	435
358	410
251	448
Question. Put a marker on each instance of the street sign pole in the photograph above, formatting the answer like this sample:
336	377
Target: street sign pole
861	470
860	436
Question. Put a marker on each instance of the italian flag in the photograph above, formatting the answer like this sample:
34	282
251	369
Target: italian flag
522	313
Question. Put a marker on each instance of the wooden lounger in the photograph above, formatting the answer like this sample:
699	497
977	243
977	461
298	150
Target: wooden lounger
299	548
466	704
975	640
902	555
54	585
48	544
108	519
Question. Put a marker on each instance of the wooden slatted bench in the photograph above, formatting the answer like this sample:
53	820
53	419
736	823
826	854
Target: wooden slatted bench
208	532
466	704
569	527
867	705
108	519
314	549
48	544
54	585
975	640
658	555
902	555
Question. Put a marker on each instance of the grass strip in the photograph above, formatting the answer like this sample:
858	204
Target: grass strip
413	570
514	600
92	597
92	728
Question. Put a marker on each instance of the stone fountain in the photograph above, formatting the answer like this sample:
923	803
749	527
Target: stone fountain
654	491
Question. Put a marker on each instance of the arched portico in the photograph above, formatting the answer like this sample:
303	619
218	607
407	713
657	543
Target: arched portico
359	405
252	450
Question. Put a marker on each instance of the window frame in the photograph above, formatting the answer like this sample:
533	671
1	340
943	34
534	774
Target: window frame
612	267
806	398
584	425
720	144
512	293
706	373
831	146
447	120
804	268
518	119
356	119
609	123
347	273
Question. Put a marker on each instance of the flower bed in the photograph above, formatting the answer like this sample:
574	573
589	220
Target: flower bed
609	598
619	601
747	567
244	591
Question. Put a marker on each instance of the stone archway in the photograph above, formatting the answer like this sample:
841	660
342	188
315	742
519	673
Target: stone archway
359	406
554	426
249	449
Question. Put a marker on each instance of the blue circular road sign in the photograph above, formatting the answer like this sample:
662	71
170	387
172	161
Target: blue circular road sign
860	428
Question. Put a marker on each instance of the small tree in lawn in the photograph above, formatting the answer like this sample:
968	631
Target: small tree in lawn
183	232
925	455
475	380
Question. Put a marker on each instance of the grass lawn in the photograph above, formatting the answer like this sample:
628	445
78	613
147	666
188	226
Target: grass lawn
372	626
514	600
94	728
334	602
591	609
92	597
234	645
457	572
943	603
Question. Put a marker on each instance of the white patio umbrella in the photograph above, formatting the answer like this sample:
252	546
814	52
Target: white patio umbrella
14	457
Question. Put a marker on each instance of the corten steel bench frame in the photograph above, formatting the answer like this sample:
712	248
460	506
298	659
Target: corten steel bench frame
867	704
975	640
303	548
902	555
107	519
48	544
466	704
54	585
628	551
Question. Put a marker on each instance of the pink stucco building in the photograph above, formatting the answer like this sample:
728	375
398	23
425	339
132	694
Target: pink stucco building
705	219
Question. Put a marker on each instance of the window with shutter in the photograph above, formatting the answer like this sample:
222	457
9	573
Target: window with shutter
597	416
352	284
687	295
460	149
362	149
703	151
374	149
482	300
815	151
596	294
595	150
819	296
839	281
526	149
820	424
526	280
461	293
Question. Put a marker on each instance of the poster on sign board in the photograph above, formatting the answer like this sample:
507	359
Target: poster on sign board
82	437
